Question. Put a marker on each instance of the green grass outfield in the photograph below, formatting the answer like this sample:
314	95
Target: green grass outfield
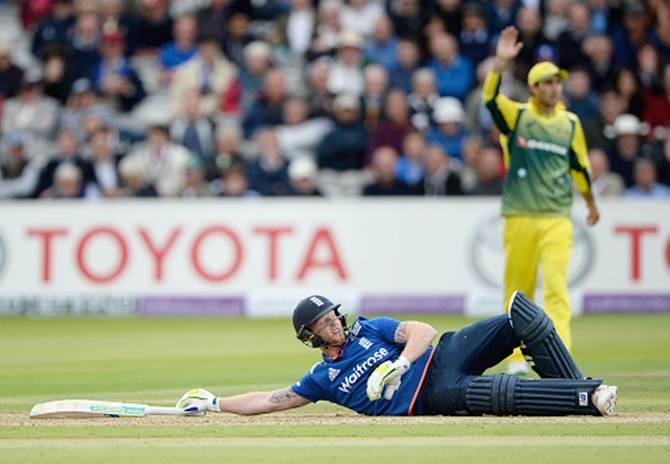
155	360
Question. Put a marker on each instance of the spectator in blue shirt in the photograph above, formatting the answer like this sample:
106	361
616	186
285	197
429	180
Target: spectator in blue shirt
381	47
453	72
54	29
644	174
181	49
449	133
474	39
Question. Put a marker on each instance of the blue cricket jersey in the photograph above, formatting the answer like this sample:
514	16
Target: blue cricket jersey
344	380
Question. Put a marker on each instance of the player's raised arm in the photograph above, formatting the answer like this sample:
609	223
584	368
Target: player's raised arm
503	110
244	404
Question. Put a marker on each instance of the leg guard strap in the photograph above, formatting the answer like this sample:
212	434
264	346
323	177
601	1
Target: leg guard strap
502	395
541	344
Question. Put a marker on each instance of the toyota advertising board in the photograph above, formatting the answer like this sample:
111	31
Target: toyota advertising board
257	257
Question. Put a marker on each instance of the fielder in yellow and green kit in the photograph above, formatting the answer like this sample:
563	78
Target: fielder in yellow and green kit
544	147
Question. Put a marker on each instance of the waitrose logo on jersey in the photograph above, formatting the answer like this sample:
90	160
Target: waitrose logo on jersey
361	369
540	145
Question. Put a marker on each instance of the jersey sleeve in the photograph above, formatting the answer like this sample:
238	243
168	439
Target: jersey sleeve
384	327
580	167
309	388
503	110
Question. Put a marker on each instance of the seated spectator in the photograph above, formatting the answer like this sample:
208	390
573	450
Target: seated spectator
114	77
328	30
268	174
631	34
300	136
154	26
645	184
439	179
555	18
320	99
257	63
11	75
376	82
192	129
213	76
649	70
343	148
474	38
422	99
135	179
453	72
628	85
345	73
361	15
596	128
393	127
18	173
180	50
195	185
84	45
449	131
407	60
381	48
227	151
235	183
385	181
299	27
215	14
57	76
105	161
580	99
238	36
83	102
32	12
31	113
604	183
627	146
529	22
164	163
267	110
55	28
302	177
67	152
570	41
500	14
67	183
657	109
409	168
489	172
113	18
601	65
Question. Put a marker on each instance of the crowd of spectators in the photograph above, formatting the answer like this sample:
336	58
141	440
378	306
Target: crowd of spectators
199	98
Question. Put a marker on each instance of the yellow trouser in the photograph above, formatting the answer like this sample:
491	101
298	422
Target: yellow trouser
546	241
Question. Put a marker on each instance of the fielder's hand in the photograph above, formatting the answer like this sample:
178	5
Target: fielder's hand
200	399
387	375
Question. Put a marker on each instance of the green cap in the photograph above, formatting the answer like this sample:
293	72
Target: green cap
545	70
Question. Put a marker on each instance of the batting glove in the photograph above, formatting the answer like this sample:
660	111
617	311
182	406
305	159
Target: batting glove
387	375
199	400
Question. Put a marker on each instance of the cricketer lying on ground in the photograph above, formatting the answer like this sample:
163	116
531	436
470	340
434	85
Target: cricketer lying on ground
382	366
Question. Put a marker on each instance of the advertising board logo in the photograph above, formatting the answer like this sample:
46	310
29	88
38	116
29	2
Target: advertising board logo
487	254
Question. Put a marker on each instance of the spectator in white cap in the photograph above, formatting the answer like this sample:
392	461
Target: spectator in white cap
345	74
302	174
628	145
449	131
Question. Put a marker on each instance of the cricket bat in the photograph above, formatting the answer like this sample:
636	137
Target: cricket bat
90	408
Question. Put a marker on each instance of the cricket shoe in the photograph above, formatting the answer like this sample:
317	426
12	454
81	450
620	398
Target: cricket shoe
604	399
518	368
